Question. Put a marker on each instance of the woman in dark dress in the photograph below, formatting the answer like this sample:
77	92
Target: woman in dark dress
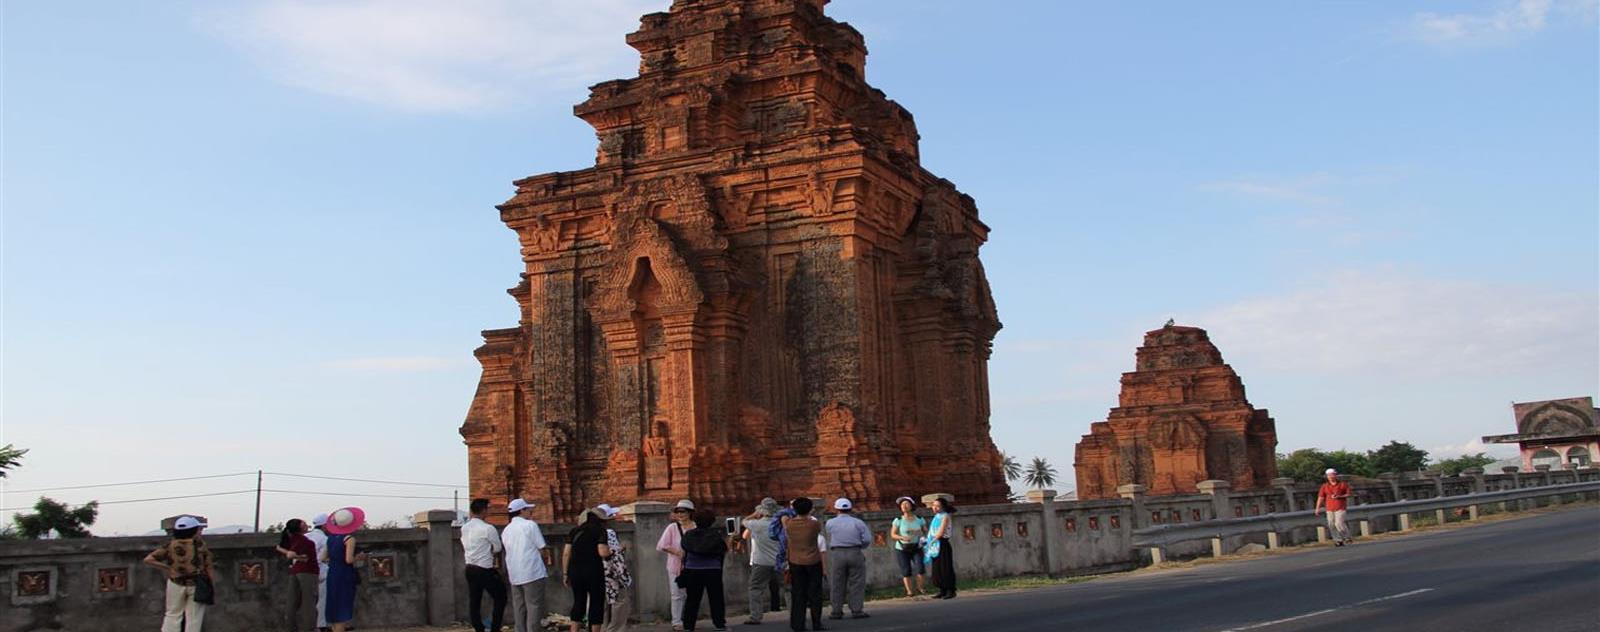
583	570
938	549
341	558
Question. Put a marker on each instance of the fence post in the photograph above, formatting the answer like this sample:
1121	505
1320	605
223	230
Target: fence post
650	571
441	564
1516	483
1405	522
1287	485
1393	479
1322	534
1053	548
1366	528
1135	494
1438	482
1218	491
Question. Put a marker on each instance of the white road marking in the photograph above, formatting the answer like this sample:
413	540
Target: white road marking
1263	624
1319	613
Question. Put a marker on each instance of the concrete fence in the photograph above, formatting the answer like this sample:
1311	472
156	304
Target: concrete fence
413	576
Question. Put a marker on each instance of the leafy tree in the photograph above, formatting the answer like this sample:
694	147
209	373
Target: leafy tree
1039	474
10	458
1307	464
1454	467
1304	465
1347	462
1398	456
49	515
1012	468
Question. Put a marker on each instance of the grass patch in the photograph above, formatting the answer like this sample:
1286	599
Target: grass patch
997	583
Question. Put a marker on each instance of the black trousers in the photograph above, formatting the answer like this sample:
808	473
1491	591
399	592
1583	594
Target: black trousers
805	593
707	581
775	586
944	568
480	579
588	597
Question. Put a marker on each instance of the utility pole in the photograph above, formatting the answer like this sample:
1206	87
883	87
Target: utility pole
455	504
257	528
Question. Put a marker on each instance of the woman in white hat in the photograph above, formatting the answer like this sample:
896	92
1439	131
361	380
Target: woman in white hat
184	559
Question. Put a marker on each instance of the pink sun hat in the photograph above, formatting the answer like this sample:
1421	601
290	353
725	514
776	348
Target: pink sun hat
346	521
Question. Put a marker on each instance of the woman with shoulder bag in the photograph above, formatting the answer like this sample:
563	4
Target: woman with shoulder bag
188	566
907	531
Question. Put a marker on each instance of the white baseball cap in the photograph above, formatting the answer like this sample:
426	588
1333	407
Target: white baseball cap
1330	471
607	511
684	504
187	522
319	520
843	504
518	504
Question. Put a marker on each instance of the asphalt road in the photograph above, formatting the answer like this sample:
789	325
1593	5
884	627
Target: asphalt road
1540	572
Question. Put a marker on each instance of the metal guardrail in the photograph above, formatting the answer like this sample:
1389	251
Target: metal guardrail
1165	535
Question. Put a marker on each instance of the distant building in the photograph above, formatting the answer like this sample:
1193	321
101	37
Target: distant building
1555	432
1182	418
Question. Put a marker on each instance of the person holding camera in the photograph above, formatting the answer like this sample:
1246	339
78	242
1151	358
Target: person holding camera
765	581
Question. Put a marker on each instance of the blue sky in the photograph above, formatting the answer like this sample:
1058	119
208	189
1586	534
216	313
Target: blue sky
261	235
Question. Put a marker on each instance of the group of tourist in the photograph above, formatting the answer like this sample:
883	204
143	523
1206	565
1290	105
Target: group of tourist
790	545
593	566
787	545
322	568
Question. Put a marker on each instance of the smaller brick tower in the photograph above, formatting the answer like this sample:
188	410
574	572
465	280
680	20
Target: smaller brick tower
1182	418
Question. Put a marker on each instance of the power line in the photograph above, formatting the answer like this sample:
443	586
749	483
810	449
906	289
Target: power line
294	491
161	480
211	476
146	500
365	480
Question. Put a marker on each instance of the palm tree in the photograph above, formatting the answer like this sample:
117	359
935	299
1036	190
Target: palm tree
1040	474
10	458
1010	466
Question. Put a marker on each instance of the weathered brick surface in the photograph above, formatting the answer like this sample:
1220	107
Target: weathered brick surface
756	290
1182	418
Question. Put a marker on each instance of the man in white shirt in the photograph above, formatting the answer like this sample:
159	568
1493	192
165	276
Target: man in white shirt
319	538
525	566
482	543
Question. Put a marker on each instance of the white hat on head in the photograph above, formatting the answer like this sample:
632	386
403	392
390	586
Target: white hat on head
518	504
684	504
187	522
1330	471
607	511
319	520
843	504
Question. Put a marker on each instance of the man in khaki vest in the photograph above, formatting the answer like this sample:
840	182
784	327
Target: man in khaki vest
806	566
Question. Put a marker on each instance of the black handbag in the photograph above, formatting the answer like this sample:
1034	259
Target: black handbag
204	591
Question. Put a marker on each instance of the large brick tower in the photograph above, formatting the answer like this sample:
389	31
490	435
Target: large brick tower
756	290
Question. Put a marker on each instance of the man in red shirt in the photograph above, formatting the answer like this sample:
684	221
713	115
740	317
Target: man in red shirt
1334	495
